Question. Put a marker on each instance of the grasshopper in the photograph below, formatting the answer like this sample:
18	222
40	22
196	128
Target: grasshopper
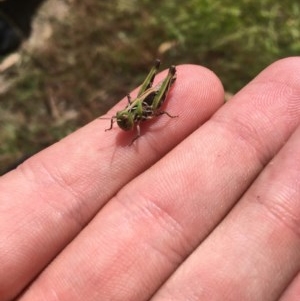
147	104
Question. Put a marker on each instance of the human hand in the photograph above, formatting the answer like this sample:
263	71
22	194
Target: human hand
201	207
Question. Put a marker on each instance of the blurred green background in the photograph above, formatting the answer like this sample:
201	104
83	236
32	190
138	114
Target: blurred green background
84	56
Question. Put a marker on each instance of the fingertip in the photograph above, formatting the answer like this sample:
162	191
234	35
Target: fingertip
284	71
198	79
196	95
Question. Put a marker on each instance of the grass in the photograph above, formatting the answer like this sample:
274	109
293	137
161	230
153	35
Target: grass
101	50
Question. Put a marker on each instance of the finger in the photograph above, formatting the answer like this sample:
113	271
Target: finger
255	253
53	195
158	219
293	291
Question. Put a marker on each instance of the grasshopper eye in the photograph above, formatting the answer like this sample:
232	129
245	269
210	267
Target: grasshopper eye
125	120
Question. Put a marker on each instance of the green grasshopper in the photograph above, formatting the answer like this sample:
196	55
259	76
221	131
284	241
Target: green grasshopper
147	104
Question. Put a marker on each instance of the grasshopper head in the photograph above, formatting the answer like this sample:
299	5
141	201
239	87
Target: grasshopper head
125	120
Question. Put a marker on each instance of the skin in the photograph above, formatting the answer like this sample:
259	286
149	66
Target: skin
205	206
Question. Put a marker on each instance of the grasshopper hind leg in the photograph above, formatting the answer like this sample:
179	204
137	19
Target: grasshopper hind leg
129	99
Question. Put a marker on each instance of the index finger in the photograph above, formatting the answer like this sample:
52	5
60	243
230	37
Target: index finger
53	195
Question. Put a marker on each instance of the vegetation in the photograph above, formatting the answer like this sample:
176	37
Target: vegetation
102	49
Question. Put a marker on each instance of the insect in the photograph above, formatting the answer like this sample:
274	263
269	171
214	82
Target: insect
147	104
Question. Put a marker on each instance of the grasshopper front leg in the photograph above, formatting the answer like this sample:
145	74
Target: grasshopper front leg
138	134
111	123
165	112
